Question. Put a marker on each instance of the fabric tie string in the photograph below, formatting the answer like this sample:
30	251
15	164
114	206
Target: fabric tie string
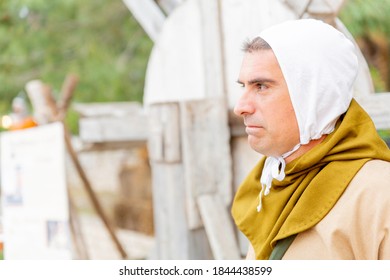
273	169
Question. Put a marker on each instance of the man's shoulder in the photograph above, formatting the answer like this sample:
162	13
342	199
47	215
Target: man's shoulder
374	175
375	167
366	199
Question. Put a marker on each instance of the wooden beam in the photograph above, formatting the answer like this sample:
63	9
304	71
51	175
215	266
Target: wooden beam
148	14
219	227
174	240
169	5
164	129
42	100
213	50
113	129
112	123
206	153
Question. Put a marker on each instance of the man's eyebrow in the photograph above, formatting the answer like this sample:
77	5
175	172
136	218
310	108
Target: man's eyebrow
258	81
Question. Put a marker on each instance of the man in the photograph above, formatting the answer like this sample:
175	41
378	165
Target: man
322	191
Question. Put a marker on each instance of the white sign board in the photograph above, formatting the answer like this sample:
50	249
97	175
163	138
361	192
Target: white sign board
34	196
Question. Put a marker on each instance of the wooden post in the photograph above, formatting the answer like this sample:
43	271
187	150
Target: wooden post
148	14
174	239
206	154
219	228
169	5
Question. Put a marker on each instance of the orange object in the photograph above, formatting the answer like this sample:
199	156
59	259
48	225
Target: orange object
28	122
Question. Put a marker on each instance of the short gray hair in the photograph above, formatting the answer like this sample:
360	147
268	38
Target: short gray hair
256	44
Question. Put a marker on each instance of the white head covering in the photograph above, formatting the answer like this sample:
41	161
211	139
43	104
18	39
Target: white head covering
320	66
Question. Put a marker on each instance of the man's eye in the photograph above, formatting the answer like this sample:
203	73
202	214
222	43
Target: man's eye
261	87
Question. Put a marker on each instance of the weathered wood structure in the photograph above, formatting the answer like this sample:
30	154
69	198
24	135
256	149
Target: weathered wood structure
47	110
197	148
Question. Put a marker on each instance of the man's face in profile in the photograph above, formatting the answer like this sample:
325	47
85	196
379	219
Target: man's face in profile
265	105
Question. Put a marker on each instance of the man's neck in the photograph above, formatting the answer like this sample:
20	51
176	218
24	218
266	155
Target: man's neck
304	149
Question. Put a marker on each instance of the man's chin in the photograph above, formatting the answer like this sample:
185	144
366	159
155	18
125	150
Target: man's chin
257	147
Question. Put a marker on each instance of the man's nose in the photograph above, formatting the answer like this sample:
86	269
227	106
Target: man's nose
243	106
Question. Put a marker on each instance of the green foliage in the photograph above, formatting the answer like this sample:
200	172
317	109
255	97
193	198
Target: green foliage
362	17
379	84
72	121
369	19
385	135
97	40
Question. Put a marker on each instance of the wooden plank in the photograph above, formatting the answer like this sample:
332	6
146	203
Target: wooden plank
171	137
100	246
114	122
169	209
169	5
101	109
173	238
164	128
219	227
212	46
148	14
113	129
206	153
42	101
155	138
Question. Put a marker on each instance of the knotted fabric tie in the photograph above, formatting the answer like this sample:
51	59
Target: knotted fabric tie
273	169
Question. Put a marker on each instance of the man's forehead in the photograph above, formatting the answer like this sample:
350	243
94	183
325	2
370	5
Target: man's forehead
259	65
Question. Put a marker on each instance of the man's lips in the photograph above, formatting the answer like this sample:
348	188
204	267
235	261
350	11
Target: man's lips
252	125
253	129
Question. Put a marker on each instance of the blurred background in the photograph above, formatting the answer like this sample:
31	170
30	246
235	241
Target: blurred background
106	47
